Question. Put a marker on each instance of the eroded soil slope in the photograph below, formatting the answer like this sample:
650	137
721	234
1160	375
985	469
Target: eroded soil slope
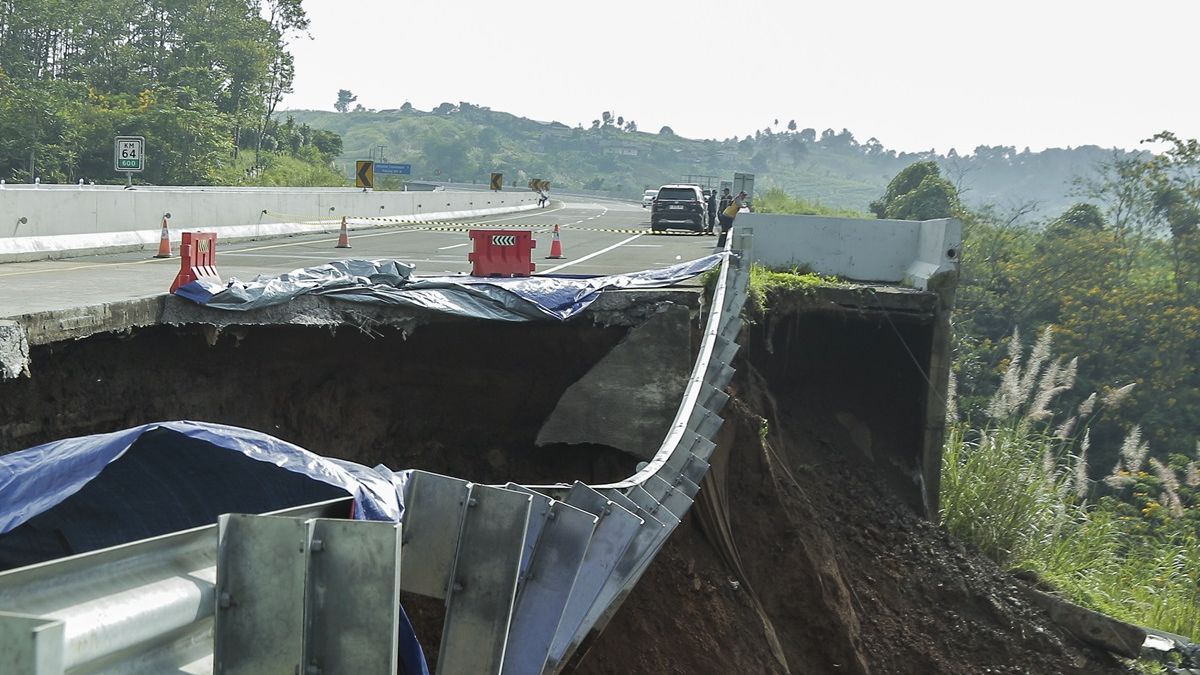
847	577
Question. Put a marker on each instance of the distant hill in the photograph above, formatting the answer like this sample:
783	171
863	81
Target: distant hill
466	142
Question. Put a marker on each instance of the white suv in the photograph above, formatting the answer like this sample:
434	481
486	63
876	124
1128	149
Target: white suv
648	198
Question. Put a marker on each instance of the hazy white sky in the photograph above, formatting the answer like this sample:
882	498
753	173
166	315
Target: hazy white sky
916	74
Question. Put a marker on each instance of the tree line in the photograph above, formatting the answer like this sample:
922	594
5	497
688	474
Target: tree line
200	80
1116	278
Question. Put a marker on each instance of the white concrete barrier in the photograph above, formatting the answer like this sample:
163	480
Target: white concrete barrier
54	221
893	251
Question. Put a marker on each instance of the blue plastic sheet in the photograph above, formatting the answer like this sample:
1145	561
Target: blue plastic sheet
389	282
36	480
54	489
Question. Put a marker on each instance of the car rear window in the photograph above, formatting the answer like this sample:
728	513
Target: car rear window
676	193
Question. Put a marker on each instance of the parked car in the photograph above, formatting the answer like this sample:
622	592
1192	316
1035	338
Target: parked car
648	198
678	207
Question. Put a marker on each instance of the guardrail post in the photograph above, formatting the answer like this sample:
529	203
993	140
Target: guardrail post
313	597
30	645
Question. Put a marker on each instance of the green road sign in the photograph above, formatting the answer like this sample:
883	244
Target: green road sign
129	154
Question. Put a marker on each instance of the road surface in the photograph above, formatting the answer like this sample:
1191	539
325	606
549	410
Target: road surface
598	237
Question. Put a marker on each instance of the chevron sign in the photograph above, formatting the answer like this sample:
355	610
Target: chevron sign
504	240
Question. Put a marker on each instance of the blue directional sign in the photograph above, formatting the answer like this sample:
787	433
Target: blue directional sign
393	169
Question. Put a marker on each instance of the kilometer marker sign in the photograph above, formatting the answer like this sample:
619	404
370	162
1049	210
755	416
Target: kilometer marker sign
129	154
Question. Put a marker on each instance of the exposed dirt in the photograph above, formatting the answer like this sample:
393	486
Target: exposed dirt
462	398
851	579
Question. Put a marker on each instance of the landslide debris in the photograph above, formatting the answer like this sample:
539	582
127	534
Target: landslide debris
846	577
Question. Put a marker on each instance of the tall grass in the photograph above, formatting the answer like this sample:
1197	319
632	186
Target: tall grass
1017	487
775	200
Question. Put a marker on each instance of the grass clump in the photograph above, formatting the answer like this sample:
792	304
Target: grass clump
775	200
766	283
1017	485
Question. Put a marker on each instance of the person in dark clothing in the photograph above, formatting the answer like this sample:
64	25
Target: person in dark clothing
712	211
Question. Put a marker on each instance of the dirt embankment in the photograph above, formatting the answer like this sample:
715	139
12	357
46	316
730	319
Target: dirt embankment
846	576
462	398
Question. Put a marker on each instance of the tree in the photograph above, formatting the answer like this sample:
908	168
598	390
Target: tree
666	131
606	118
620	122
344	99
792	126
808	135
1080	217
918	192
1174	180
284	19
631	126
406	108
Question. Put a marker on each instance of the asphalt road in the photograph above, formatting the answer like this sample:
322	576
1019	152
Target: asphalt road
598	237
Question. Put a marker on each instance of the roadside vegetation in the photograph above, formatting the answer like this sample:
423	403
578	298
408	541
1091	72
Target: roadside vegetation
775	200
1085	470
200	81
1017	483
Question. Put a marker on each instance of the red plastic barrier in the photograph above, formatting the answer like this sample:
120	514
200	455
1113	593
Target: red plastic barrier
501	253
197	259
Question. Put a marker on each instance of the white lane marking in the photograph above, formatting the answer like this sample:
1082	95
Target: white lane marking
443	248
523	214
590	255
282	256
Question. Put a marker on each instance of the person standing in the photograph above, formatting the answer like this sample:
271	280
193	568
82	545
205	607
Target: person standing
712	211
728	214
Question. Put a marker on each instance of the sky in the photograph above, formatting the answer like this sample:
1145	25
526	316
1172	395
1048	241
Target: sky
915	74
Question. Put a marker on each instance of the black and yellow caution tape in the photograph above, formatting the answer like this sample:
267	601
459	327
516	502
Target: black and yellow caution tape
432	225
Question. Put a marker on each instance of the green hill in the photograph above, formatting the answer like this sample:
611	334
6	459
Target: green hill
465	142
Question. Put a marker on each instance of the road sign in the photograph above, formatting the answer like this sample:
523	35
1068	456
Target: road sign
393	169
497	181
364	174
129	154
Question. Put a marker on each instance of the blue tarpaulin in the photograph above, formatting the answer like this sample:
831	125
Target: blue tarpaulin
389	282
82	494
35	480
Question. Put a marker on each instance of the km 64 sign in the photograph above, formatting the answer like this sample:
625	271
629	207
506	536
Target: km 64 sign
129	154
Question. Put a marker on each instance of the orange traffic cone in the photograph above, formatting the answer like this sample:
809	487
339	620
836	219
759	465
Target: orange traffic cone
164	242
343	238
556	245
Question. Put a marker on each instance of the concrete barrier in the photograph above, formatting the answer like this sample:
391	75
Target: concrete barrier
38	222
893	251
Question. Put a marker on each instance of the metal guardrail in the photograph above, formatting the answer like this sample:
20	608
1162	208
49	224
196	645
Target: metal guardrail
527	573
118	609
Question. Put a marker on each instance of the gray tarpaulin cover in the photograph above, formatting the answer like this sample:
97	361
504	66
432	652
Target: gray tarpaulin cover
390	282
